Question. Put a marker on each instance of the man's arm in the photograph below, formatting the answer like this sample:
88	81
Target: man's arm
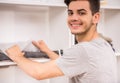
35	69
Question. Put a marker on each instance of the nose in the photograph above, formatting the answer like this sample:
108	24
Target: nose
75	17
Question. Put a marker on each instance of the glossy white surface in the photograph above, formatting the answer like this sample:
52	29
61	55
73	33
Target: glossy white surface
34	2
10	63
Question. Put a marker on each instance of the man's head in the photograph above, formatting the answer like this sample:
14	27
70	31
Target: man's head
94	4
83	16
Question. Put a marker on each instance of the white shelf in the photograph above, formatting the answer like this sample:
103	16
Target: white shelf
59	3
110	7
110	4
117	54
10	63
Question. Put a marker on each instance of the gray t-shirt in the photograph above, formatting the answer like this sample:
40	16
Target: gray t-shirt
89	62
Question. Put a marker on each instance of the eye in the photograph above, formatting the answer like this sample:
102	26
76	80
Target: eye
81	13
70	13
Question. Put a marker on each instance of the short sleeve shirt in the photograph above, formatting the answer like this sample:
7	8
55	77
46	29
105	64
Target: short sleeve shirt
89	62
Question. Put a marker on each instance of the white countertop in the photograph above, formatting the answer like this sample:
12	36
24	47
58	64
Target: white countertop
9	63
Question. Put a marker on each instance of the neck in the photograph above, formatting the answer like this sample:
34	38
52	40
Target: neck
88	36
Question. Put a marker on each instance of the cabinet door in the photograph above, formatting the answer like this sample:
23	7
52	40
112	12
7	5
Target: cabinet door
34	2
7	74
22	77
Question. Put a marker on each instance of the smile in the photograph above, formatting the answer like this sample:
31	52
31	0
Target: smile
75	25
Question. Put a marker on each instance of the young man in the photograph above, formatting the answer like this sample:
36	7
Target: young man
92	60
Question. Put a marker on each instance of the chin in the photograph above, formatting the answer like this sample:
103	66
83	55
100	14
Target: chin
77	32
74	33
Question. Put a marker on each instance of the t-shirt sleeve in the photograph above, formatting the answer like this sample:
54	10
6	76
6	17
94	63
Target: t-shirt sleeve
73	62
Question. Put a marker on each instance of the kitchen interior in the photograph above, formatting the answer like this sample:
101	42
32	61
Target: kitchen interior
22	21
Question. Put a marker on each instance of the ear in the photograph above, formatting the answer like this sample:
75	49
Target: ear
96	17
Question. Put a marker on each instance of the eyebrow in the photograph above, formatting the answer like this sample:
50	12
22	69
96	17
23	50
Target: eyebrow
78	10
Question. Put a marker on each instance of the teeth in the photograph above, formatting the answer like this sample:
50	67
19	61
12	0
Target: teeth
75	25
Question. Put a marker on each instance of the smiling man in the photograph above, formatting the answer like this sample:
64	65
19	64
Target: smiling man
91	60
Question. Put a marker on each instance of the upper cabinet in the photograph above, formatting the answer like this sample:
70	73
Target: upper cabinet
35	2
109	22
23	20
110	4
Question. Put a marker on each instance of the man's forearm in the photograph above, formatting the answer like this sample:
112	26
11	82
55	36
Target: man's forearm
39	70
52	55
27	66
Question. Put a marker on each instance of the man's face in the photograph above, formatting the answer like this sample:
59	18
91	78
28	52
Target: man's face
80	17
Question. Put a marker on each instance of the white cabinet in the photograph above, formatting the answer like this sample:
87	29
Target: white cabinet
109	23
7	74
22	20
34	2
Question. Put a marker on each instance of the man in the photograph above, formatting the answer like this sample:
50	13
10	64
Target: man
92	60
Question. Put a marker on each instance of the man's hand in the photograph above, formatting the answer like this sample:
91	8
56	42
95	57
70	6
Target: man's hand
41	46
14	52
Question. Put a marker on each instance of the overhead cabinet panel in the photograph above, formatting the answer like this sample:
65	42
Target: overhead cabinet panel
35	2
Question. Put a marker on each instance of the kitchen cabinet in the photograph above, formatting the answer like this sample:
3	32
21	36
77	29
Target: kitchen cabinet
10	73
23	20
34	2
109	23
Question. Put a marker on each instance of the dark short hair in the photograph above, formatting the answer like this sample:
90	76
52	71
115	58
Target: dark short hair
94	4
